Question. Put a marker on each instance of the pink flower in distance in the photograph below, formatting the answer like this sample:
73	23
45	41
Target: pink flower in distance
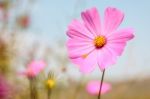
91	43
34	68
5	88
94	86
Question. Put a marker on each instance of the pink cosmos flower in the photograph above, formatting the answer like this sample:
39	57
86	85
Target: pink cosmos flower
94	86
91	43
34	68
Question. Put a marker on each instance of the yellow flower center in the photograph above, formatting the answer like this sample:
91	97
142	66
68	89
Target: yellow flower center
99	41
50	83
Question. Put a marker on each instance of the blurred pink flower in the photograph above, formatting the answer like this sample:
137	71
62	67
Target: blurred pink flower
91	43
34	68
94	86
4	88
24	21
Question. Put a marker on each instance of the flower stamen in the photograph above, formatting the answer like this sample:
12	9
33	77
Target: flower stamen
99	41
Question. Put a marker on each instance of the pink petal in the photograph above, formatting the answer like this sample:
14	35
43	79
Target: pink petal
121	35
86	65
117	40
35	67
92	20
94	86
78	61
77	30
117	48
89	63
106	58
116	43
112	19
78	48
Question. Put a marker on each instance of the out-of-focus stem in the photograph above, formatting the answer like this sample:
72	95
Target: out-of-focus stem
49	94
33	90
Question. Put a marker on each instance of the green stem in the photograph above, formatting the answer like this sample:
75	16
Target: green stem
49	94
101	84
33	90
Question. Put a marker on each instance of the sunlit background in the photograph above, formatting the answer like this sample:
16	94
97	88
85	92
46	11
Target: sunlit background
36	30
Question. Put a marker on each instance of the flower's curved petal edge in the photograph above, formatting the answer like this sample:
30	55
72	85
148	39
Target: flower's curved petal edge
91	18
77	30
112	19
117	40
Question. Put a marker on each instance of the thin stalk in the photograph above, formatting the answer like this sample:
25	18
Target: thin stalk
49	94
101	84
33	90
